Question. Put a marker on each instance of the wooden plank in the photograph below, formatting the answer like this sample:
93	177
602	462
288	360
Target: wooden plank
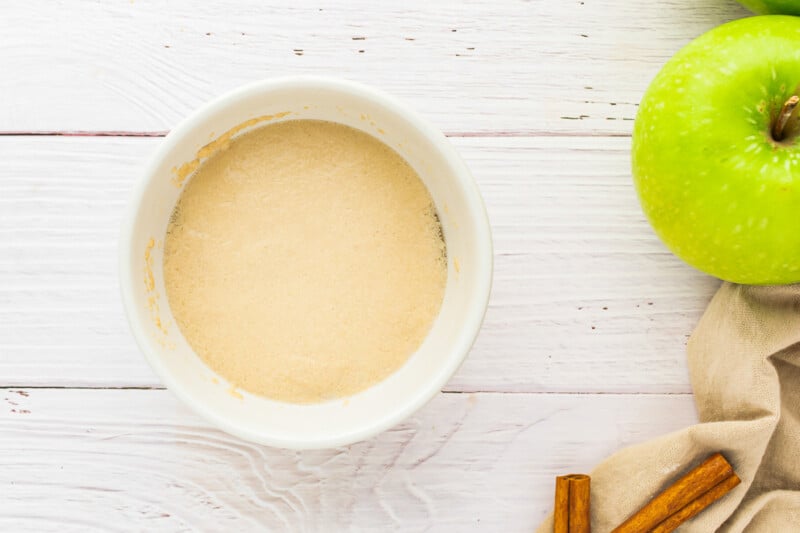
519	67
585	298
100	459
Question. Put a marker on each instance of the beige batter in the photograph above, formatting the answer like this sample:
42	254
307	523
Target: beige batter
305	261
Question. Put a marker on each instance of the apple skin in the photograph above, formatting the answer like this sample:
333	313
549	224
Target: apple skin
716	188
776	7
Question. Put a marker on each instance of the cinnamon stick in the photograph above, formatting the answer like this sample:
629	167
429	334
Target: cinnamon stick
561	507
571	511
579	493
690	511
683	492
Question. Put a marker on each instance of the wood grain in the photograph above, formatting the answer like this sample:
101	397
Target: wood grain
112	460
486	67
585	298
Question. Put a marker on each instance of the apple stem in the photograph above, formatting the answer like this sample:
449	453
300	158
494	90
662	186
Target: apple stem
786	113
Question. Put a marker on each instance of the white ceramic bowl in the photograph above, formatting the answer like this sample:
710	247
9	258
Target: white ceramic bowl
342	421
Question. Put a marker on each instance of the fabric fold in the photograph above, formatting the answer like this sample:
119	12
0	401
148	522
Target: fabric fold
744	365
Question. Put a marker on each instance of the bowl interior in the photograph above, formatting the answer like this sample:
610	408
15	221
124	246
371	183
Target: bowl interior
379	407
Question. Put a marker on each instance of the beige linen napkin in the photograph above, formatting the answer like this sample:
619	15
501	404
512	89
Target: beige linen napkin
744	361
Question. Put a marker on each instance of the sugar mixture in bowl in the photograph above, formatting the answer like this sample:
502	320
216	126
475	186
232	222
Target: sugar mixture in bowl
305	261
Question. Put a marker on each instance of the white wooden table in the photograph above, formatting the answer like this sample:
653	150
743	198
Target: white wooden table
582	351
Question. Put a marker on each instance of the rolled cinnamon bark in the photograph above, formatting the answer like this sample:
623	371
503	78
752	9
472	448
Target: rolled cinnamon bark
686	490
579	494
571	509
690	511
561	507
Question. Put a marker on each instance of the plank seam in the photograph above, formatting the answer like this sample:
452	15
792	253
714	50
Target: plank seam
157	134
530	393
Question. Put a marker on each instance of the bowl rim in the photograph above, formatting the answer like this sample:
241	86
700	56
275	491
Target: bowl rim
460	346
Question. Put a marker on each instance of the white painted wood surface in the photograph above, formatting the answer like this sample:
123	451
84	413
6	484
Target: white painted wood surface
513	66
585	298
582	351
131	459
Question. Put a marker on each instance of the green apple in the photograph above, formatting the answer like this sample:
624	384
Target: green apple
778	7
716	169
